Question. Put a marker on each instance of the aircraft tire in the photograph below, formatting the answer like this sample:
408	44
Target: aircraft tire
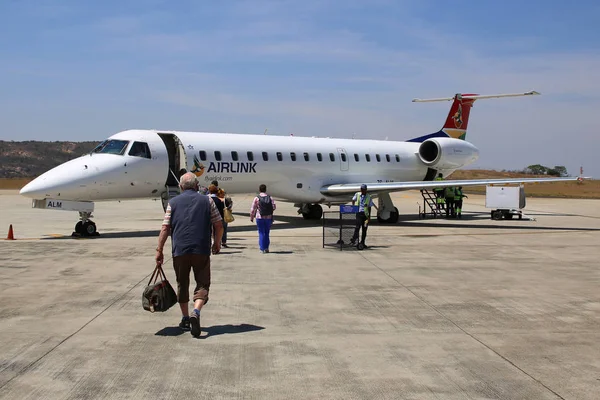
316	211
392	219
79	227
89	228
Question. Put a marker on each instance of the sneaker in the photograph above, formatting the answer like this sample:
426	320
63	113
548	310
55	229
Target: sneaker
195	324
267	250
185	323
224	245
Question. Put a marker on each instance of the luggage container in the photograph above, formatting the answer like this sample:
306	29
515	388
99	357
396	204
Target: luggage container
506	201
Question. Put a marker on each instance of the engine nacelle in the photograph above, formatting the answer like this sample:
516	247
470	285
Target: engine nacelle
447	153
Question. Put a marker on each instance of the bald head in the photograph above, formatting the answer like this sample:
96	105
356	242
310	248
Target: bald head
188	181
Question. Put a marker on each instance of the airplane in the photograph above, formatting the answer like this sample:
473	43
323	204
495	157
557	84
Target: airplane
307	171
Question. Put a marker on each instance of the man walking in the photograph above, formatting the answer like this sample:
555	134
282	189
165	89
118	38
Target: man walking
262	209
365	202
189	218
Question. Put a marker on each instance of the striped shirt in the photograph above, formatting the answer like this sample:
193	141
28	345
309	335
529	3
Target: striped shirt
215	216
254	210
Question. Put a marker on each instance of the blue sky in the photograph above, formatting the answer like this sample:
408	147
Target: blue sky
83	70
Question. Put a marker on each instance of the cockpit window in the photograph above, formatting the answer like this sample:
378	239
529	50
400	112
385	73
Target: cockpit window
140	149
111	147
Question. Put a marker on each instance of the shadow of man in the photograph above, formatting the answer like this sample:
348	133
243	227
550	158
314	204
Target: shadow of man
214	330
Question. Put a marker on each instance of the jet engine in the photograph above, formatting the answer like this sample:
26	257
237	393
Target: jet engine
447	153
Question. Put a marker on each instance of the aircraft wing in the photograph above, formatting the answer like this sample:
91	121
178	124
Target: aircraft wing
379	187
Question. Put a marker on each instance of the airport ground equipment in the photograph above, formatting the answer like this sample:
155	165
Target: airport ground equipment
505	201
338	227
430	206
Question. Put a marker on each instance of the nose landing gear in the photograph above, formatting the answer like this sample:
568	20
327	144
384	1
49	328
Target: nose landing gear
86	227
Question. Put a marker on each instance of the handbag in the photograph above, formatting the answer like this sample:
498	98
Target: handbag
158	296
228	216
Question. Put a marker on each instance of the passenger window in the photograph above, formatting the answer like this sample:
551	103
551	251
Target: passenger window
332	157
279	156
293	156
250	156
368	158
378	158
265	156
356	157
306	157
202	155
234	155
387	157
319	157
218	155
140	149
343	155
397	158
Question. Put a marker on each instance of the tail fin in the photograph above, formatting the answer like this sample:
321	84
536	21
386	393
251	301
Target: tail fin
458	117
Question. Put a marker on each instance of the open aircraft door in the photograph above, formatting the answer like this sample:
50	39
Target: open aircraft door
177	161
177	157
344	164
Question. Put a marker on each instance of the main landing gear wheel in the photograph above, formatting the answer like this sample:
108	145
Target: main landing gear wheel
315	211
392	219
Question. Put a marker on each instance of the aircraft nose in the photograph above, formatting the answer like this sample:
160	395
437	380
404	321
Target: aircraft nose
35	189
63	180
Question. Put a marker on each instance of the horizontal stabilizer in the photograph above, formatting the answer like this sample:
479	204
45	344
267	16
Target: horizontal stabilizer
479	96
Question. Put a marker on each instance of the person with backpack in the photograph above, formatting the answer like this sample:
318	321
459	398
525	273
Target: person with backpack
262	209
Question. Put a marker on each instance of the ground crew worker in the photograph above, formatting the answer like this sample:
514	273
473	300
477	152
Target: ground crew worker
365	202
458	200
439	193
449	197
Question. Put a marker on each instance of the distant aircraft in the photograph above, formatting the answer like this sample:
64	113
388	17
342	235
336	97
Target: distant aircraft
137	164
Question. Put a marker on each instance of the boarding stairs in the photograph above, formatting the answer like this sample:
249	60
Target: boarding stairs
171	190
430	206
168	194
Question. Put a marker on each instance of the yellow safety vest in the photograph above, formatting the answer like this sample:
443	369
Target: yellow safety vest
367	201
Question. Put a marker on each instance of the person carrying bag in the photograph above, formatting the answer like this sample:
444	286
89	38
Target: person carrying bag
158	296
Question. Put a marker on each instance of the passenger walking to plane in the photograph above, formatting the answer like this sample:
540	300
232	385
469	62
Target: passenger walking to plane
262	209
227	215
365	202
458	200
449	198
213	192
189	219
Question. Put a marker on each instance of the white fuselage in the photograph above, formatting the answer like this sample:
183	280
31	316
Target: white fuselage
237	161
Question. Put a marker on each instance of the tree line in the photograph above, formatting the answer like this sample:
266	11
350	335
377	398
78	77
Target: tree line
537	169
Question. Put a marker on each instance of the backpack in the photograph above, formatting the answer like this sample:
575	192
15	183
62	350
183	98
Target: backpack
265	205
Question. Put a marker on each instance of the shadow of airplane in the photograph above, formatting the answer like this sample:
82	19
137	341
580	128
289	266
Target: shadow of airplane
282	222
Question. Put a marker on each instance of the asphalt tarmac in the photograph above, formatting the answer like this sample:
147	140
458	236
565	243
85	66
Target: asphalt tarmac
432	309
